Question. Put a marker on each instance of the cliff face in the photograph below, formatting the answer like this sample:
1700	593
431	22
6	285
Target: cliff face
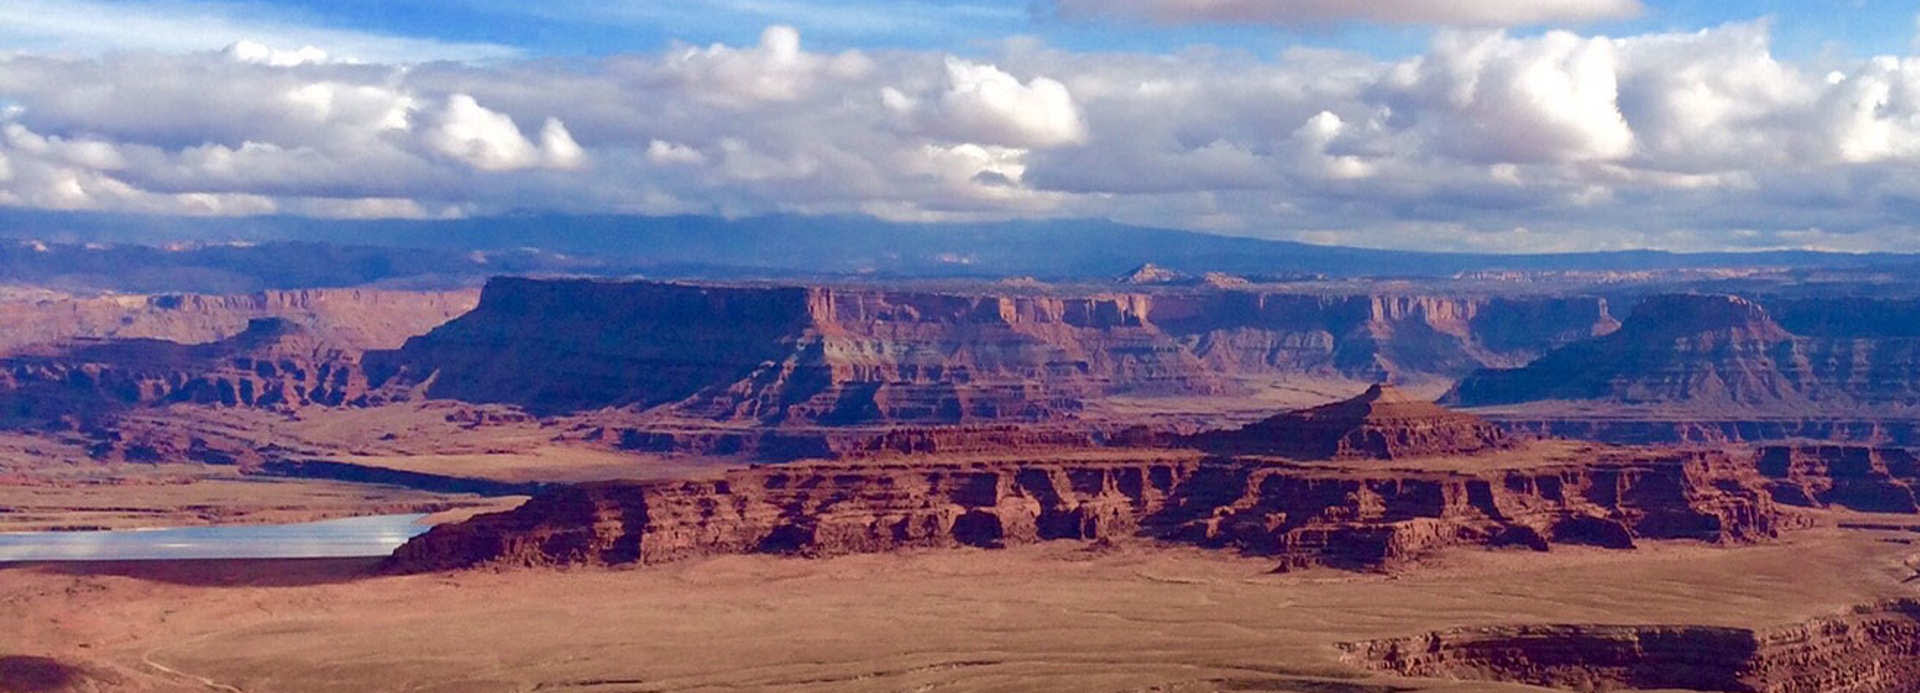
1855	477
1872	649
1716	352
1714	427
554	346
1350	517
1373	336
848	356
352	318
271	364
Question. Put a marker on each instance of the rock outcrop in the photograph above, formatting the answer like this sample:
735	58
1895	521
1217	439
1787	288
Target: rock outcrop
1631	427
1372	337
350	318
1348	516
853	356
1856	477
272	364
1717	354
1871	649
1381	423
1150	273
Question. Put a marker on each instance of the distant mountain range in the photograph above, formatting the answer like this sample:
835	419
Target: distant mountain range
293	252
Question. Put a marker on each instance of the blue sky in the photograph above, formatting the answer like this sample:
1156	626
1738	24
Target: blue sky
1804	29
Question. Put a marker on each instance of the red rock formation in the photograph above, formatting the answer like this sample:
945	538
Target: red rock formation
789	443
857	356
1381	423
272	364
1872	649
1150	273
1851	476
1633	427
351	318
1707	357
1374	336
1347	516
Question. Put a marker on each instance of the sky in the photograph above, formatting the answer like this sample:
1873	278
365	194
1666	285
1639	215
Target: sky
1481	125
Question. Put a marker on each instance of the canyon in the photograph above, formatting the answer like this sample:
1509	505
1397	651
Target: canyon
1395	479
1719	368
846	356
1285	438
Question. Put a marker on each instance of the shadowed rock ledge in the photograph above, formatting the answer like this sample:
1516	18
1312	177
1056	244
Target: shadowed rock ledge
1355	516
1870	649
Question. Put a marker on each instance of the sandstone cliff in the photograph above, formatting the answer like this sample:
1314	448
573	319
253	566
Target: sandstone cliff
1860	478
839	356
1717	354
353	318
1361	517
1871	649
271	364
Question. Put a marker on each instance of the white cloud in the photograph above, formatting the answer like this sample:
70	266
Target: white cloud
557	148
670	154
1296	12
489	141
261	54
776	70
1693	140
1497	98
982	103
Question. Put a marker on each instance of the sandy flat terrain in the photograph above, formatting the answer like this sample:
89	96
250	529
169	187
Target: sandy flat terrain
50	482
191	496
550	463
1056	616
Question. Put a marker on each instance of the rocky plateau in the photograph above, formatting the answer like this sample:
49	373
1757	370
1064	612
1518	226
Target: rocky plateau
1872	648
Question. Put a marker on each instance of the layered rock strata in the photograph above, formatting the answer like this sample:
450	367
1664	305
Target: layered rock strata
1627	427
1871	649
1359	517
272	364
1861	478
854	356
1708	357
1380	423
351	318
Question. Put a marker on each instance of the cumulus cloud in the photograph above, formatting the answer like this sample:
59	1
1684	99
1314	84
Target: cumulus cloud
1485	140
1497	98
776	70
489	141
261	54
982	103
1297	12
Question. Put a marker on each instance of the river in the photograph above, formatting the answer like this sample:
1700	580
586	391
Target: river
375	535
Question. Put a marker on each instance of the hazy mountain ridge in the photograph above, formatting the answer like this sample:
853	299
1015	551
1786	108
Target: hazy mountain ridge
250	253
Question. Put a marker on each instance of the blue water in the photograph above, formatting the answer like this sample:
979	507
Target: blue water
354	536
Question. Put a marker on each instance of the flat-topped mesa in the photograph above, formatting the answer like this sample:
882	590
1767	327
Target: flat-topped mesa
1710	353
791	355
1363	517
839	356
352	318
1381	423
